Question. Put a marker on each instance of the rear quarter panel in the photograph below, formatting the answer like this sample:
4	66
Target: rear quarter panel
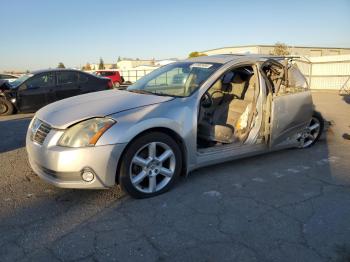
96	84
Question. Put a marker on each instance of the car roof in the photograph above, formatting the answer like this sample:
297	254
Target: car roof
55	70
225	58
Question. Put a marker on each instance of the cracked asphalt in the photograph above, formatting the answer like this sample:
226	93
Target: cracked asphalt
291	205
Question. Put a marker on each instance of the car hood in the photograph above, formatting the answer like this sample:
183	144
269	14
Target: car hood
64	113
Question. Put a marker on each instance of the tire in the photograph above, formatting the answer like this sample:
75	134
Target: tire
144	174
313	131
116	84
6	108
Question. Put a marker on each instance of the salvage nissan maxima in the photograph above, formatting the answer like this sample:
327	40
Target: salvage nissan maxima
180	117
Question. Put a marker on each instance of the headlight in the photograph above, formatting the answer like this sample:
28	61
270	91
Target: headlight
85	133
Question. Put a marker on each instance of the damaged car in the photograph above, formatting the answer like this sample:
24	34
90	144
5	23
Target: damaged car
178	118
32	91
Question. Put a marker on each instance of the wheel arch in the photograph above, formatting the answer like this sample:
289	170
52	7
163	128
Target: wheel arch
178	139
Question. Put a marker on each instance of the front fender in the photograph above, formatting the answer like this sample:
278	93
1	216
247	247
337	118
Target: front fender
133	122
123	133
178	115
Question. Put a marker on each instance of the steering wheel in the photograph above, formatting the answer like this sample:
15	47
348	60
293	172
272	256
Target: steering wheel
234	96
207	100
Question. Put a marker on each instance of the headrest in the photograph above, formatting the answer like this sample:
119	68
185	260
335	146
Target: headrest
227	78
237	79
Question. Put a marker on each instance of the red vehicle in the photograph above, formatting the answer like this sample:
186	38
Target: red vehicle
117	80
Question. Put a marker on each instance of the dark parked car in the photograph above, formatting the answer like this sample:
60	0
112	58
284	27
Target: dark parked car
35	90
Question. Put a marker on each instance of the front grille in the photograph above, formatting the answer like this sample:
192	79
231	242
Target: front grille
39	131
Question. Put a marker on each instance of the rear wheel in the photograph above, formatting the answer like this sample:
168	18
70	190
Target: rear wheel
150	166
313	132
6	108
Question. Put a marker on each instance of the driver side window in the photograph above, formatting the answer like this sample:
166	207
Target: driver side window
42	80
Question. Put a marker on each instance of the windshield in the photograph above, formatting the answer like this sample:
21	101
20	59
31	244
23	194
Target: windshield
176	79
20	80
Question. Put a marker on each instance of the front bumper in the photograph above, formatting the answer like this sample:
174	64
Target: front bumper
63	166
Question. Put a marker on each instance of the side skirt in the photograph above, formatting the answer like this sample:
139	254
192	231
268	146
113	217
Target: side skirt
227	153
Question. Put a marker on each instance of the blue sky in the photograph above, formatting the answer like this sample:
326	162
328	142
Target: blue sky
40	34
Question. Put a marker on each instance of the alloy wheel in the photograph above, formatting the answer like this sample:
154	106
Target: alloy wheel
310	134
3	108
152	167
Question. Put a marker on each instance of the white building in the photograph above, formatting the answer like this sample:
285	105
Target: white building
128	64
267	49
107	66
165	62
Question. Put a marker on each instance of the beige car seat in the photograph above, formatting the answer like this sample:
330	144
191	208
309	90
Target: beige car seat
230	112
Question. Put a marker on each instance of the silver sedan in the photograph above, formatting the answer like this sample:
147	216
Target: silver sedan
180	117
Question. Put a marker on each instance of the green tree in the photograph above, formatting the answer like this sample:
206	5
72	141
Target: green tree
153	62
280	49
61	65
119	60
101	66
196	54
87	67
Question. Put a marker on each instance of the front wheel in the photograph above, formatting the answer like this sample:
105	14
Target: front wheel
150	166
6	108
313	132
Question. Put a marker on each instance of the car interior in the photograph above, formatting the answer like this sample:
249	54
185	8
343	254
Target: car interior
275	75
228	108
